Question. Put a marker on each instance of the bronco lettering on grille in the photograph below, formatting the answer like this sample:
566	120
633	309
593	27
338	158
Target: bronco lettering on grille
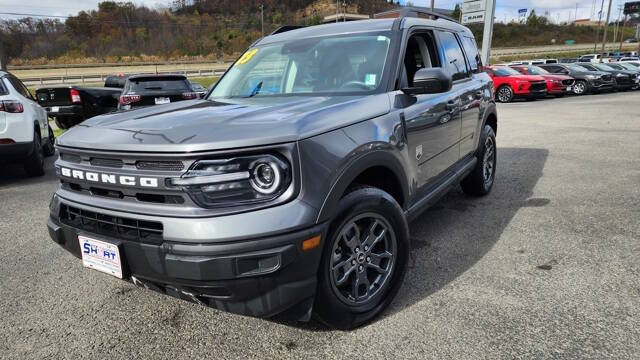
109	178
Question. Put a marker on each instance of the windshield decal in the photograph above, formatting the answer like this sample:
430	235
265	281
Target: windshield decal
247	56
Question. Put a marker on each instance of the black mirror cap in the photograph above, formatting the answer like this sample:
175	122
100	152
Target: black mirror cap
430	81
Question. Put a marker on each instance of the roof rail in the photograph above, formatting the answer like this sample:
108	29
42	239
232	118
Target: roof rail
286	28
413	11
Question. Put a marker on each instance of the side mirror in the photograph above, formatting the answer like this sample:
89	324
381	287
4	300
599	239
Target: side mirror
429	81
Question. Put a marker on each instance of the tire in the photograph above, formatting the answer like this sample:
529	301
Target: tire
49	149
480	181
67	122
34	164
580	87
504	94
342	300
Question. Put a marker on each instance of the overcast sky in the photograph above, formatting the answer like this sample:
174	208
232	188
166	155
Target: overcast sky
561	10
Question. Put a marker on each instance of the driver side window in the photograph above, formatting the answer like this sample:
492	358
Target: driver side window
419	54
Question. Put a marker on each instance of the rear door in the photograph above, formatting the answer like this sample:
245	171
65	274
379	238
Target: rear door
471	96
30	103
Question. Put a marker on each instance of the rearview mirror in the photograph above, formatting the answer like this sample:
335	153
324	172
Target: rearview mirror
429	81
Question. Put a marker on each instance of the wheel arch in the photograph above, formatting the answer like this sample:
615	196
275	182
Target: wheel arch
378	169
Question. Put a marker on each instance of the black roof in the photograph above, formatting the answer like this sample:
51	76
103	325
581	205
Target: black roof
151	76
385	24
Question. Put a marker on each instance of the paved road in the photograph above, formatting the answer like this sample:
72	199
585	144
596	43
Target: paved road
547	266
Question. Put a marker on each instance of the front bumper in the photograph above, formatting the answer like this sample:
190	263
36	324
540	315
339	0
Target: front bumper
254	276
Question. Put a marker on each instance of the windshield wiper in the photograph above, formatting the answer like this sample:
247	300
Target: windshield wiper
255	90
153	88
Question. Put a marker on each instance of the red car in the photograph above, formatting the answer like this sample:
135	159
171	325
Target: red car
509	84
557	85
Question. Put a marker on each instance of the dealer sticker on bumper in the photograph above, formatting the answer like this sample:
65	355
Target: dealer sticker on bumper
101	256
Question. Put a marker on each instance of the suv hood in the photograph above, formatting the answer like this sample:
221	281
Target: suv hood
201	125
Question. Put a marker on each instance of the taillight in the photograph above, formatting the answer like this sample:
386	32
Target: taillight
11	106
189	95
75	96
128	99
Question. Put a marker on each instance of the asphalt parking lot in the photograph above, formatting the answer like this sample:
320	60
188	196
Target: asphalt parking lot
546	266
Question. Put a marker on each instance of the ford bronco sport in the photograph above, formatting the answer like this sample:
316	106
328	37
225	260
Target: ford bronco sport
290	187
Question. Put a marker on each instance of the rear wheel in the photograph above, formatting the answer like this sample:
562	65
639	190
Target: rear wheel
580	87
34	165
66	122
480	181
504	94
49	149
364	259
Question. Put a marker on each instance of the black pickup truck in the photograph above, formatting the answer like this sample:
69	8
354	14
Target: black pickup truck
71	105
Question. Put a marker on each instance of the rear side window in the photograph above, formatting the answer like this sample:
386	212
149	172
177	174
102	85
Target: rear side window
157	83
17	84
454	59
3	89
471	49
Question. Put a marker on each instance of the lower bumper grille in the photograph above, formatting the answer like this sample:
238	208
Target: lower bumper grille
538	86
112	226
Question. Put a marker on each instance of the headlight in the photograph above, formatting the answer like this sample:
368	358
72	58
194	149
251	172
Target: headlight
235	181
621	75
591	77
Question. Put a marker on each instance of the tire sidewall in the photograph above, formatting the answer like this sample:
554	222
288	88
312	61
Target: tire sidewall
330	309
487	132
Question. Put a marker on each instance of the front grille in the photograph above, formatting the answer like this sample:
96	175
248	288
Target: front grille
538	86
160	165
111	163
112	226
70	157
606	78
568	82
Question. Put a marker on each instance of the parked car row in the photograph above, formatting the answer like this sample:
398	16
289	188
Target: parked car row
70	105
559	79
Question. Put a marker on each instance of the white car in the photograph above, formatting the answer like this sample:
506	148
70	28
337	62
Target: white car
25	135
593	58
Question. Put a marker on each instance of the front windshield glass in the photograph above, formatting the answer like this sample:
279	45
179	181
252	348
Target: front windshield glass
587	67
324	65
535	70
628	66
603	67
578	68
505	71
616	66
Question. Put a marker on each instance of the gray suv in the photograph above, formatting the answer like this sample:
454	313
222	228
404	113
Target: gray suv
290	187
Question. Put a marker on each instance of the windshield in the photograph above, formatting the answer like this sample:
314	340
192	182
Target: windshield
157	83
535	70
603	67
505	71
584	67
632	64
616	66
334	64
578	68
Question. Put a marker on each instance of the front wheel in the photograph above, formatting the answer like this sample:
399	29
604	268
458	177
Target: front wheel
580	87
364	259
480	181
505	94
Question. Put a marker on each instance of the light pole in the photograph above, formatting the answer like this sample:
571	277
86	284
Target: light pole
262	18
604	37
432	4
595	43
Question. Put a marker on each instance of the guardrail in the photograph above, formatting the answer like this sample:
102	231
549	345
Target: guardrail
95	78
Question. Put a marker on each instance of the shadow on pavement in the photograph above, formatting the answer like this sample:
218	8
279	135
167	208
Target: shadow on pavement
458	231
11	174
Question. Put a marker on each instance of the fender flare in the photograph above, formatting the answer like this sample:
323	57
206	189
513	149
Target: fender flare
350	172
